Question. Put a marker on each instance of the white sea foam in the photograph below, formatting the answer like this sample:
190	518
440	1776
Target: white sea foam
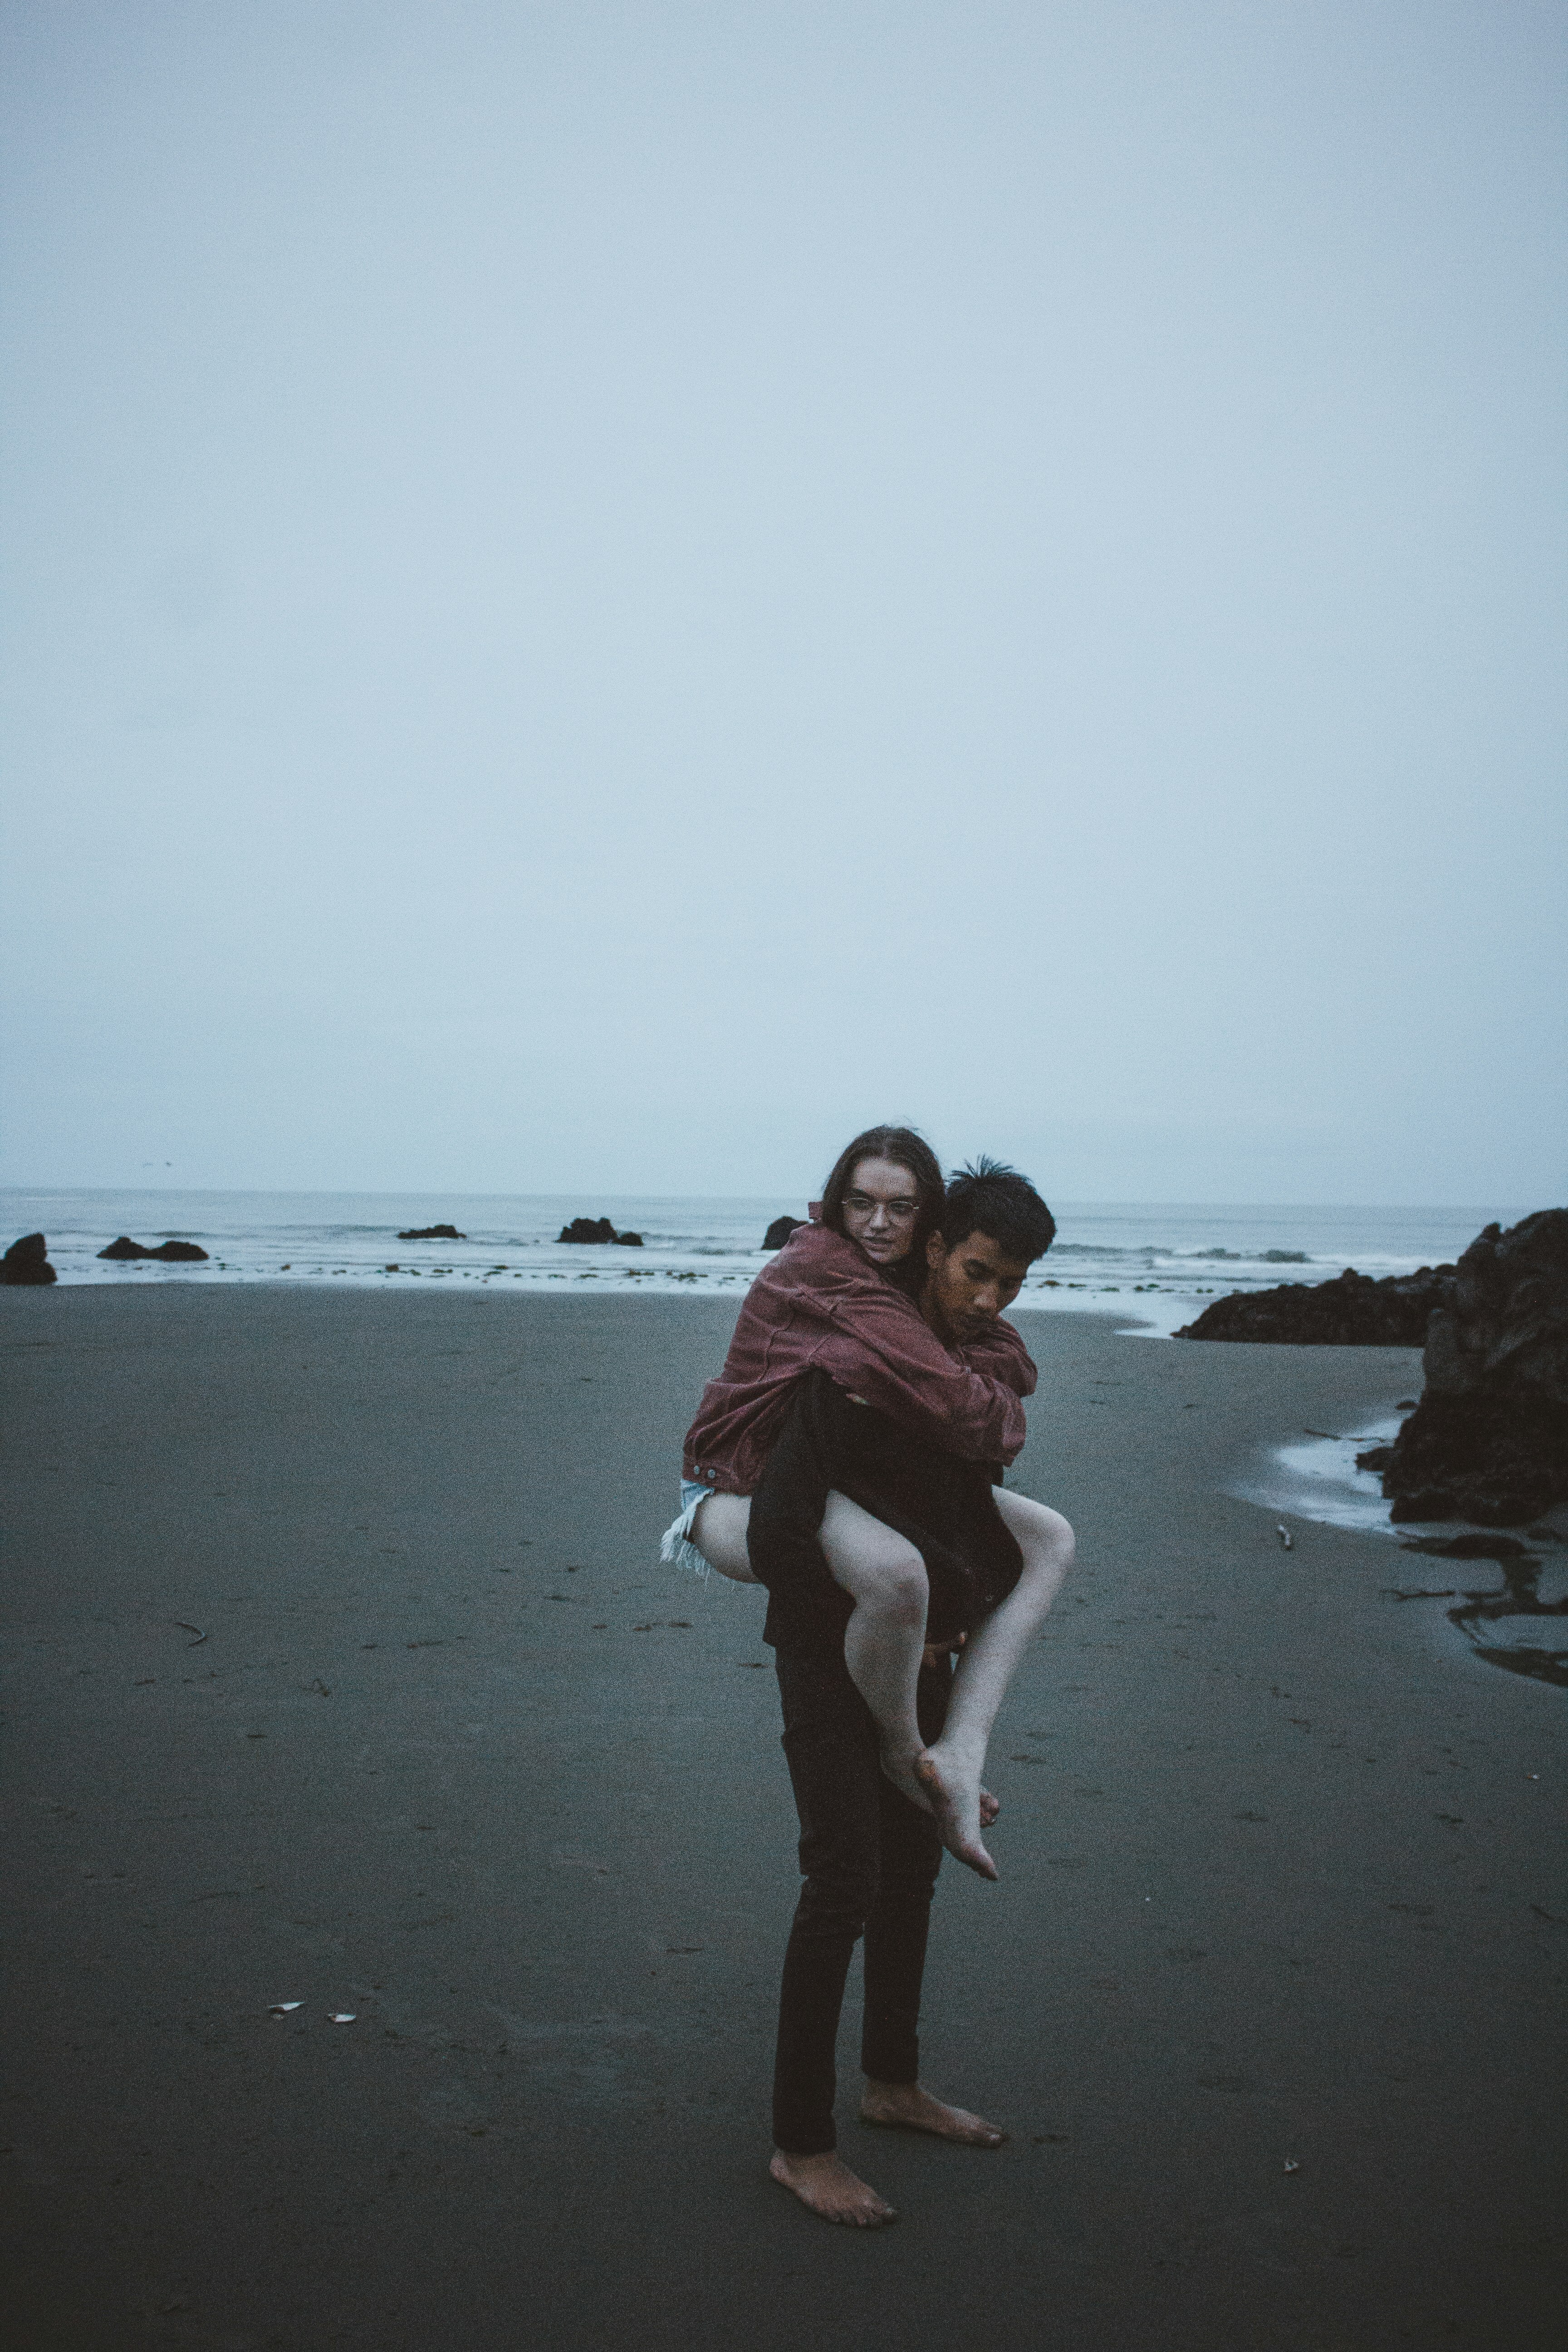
1314	1476
1505	1608
1152	1266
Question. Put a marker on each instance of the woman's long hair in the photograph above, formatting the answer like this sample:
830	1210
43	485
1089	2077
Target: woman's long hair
906	1150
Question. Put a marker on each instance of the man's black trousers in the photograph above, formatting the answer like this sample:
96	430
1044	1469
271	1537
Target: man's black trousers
869	1859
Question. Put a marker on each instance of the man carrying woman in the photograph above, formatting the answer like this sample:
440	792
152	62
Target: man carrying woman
845	1457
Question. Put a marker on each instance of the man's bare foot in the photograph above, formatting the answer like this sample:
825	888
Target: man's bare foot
832	2192
990	1807
952	1791
906	2106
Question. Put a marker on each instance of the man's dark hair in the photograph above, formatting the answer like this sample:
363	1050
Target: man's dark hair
988	1198
907	1149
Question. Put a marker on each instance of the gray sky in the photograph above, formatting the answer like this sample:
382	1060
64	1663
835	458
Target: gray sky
598	595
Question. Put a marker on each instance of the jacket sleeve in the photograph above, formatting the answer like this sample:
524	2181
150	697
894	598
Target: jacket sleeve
999	1351
873	1342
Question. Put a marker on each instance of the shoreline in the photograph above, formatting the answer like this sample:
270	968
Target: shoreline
1162	1264
1145	1320
450	1751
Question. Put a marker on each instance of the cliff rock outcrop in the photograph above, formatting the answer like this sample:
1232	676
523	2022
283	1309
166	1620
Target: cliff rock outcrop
1489	1440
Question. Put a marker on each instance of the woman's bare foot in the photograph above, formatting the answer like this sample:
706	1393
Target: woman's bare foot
832	2193
906	2106
903	1772
901	1767
952	1791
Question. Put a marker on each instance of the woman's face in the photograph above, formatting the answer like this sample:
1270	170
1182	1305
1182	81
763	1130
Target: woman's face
881	1207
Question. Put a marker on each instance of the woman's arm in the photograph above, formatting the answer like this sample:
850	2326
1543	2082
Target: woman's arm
998	1350
871	1339
821	1303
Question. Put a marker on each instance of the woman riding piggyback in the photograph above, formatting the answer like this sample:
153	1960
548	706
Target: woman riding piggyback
839	1299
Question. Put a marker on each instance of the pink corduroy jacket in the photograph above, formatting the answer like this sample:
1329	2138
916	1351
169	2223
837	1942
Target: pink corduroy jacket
821	1305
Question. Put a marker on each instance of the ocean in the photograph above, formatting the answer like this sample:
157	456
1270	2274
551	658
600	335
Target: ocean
1152	1264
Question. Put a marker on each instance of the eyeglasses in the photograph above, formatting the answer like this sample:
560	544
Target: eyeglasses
861	1205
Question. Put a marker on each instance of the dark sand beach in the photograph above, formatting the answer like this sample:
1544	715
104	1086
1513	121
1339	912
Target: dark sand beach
454	1753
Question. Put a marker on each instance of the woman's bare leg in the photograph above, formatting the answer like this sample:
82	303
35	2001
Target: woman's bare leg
884	1640
951	1767
886	1579
719	1533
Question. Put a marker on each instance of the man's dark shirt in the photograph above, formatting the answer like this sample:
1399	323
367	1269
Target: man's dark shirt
943	1506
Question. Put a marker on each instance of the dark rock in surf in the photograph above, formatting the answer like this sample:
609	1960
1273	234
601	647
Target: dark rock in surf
598	1229
432	1234
1352	1311
779	1232
170	1252
27	1262
1488	1441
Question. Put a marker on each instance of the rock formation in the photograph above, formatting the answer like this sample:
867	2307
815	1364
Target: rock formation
779	1232
1488	1441
1352	1311
26	1261
171	1252
433	1233
598	1229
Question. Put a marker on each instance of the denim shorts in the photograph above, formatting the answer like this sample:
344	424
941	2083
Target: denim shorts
677	1548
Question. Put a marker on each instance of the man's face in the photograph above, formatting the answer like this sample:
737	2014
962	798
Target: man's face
968	1286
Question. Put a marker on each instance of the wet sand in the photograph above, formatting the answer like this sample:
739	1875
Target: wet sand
443	1747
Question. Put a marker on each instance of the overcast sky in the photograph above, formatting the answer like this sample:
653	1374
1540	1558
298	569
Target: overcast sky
597	595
